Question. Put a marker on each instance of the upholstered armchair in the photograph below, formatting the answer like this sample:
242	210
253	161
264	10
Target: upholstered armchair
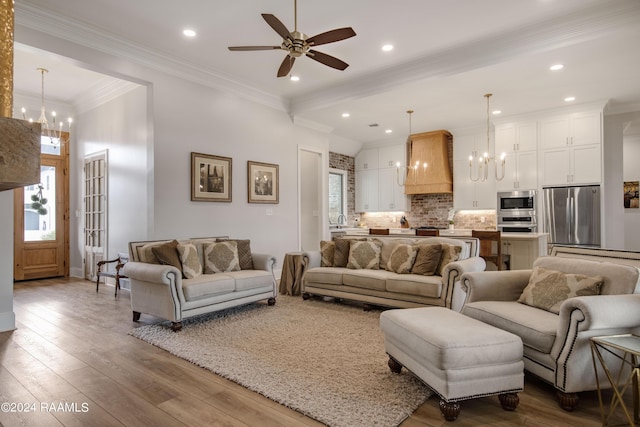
557	346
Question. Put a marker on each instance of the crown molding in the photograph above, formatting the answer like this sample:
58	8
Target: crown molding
103	93
600	20
53	24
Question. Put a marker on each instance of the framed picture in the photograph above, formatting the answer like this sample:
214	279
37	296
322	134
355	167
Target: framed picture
210	178
263	182
631	197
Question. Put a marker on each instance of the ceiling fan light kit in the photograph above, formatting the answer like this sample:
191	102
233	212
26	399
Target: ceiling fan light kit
297	44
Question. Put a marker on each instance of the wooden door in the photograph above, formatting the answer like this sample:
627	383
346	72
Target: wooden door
95	212
41	217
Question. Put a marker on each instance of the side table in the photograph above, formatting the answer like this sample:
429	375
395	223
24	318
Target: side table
625	348
292	272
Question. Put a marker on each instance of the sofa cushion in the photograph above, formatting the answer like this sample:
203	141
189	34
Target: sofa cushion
450	253
415	284
427	259
330	275
221	257
364	255
167	254
548	289
145	253
191	265
341	252
537	328
244	252
367	279
207	285
327	253
387	245
402	259
251	279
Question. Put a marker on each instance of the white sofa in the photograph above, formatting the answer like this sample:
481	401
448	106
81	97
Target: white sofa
386	288
557	346
162	291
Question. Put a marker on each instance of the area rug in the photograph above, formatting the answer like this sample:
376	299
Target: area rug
323	359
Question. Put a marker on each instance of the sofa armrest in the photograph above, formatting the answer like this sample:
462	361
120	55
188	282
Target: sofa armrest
153	273
601	312
451	279
458	268
311	259
264	262
494	285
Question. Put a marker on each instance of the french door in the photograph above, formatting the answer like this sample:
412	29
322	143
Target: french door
95	212
41	216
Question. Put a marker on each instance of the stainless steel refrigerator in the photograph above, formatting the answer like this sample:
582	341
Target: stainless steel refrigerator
572	215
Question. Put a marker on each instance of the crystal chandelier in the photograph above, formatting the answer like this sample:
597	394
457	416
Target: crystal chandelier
403	171
482	163
48	128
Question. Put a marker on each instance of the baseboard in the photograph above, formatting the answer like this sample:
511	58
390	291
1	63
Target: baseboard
7	321
76	272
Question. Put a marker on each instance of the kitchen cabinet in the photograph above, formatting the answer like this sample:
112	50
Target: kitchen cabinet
519	142
391	195
390	156
367	159
472	195
571	149
367	190
523	248
377	186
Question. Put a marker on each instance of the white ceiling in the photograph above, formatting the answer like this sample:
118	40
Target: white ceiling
447	55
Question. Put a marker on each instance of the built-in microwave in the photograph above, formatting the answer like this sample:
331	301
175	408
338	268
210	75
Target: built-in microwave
517	211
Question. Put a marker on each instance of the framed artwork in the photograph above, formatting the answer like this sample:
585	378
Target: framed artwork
263	182
631	199
210	178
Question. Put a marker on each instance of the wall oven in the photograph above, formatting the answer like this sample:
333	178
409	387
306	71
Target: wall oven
517	211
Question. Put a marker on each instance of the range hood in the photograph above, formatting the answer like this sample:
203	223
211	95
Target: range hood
431	148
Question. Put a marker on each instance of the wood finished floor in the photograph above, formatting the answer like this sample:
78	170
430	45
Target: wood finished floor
71	345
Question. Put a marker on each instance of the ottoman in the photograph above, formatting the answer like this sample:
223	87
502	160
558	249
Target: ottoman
456	356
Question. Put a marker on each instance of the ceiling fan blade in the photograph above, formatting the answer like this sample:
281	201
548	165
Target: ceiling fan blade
277	25
244	48
329	60
286	66
331	36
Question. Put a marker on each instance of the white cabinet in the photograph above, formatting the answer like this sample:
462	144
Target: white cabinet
466	193
367	159
367	190
391	196
523	249
389	157
571	149
519	143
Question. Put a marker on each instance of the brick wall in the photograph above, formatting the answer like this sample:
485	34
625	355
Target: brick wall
347	163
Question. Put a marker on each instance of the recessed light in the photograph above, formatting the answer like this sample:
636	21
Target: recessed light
189	33
345	115
388	131
570	98
387	47
496	112
556	67
295	78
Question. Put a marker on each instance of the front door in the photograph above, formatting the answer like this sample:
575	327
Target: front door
41	217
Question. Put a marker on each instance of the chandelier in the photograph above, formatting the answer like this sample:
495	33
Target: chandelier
483	162
48	128
403	171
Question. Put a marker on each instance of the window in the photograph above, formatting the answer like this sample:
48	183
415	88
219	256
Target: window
337	196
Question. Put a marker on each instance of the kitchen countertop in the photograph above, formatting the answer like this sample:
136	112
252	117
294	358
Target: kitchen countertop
458	232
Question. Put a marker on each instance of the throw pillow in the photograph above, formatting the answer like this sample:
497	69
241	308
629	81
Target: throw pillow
327	251
450	253
402	259
244	252
364	254
341	252
427	259
548	289
221	257
191	266
167	254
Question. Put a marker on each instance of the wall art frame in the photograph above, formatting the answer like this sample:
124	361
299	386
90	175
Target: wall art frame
211	178
263	182
631	195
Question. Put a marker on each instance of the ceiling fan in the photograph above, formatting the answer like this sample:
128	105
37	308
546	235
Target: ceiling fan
298	44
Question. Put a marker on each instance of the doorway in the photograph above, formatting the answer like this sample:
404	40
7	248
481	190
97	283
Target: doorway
310	173
41	216
95	212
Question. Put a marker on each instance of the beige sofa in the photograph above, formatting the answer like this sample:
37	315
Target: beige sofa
382	287
173	293
557	346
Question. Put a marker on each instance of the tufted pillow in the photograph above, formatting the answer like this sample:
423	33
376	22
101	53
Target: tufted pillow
221	257
363	254
548	289
427	259
327	251
402	259
450	253
167	254
191	266
244	252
